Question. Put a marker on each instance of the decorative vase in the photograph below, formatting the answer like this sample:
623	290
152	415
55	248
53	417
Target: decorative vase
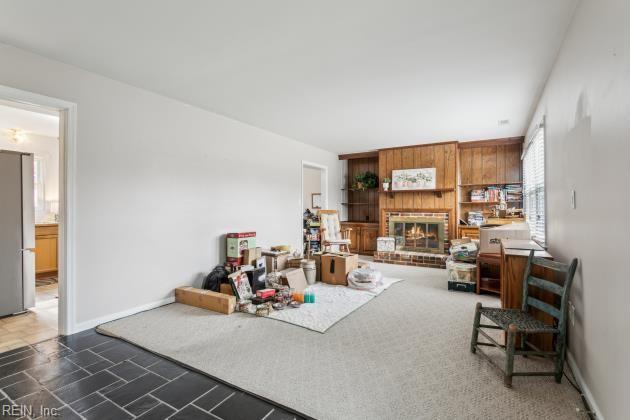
385	186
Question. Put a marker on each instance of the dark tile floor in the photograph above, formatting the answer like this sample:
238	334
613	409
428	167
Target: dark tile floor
91	376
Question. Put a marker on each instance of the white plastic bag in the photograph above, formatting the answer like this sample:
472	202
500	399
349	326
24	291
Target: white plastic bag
364	279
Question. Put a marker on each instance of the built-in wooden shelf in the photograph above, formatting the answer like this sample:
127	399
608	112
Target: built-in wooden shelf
418	190
489	184
489	202
437	191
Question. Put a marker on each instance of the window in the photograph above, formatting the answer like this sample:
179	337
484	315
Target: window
534	184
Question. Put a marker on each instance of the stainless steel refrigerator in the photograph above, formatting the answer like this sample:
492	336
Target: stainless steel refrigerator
17	233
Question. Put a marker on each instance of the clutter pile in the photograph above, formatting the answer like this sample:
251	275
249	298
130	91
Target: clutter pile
461	267
476	218
312	233
258	282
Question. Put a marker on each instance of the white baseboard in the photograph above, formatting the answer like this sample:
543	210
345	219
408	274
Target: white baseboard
86	325
585	389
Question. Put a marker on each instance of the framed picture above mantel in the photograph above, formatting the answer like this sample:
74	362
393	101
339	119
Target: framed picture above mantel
413	179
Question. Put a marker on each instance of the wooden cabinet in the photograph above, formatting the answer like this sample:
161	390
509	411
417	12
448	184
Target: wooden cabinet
368	238
363	237
46	248
354	237
471	232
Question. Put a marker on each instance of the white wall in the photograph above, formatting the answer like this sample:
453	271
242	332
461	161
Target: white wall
45	148
159	182
587	106
312	180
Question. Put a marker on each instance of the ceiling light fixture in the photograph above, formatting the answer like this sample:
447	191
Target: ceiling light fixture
16	135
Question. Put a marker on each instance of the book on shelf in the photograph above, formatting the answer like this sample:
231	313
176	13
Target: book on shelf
478	195
495	193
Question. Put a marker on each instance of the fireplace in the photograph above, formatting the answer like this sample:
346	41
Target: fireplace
417	233
421	237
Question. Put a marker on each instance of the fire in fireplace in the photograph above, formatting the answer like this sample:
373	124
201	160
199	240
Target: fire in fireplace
419	234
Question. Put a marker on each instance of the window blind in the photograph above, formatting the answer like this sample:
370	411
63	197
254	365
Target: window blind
534	185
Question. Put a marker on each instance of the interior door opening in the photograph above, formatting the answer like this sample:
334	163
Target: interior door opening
314	198
30	186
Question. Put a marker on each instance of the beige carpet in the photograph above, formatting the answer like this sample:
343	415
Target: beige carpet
404	355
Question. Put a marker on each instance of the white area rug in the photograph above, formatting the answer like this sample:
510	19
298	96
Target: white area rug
404	355
332	304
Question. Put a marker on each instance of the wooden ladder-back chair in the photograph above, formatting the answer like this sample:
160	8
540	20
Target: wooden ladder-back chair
519	321
331	232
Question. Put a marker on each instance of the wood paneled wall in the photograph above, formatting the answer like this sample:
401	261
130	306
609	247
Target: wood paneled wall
490	162
367	209
487	162
442	157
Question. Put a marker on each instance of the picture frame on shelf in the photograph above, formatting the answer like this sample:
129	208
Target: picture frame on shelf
414	179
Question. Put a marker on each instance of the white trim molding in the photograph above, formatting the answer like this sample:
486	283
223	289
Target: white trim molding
67	196
582	384
92	323
324	187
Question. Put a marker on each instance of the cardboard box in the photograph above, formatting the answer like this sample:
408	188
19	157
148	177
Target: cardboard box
385	244
490	236
294	262
239	242
251	255
335	267
294	278
206	299
318	265
281	262
234	262
460	241
521	244
260	263
240	285
226	288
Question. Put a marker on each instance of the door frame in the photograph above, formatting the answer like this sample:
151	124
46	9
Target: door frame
67	197
324	187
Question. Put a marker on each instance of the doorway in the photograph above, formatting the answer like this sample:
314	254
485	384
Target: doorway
29	162
314	198
41	132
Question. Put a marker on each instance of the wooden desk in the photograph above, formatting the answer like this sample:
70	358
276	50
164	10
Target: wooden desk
489	273
513	263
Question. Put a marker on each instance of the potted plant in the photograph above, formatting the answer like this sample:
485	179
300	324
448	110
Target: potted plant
386	182
365	180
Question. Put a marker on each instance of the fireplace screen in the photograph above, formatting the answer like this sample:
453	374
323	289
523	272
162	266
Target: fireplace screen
420	234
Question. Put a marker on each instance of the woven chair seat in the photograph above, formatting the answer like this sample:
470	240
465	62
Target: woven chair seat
523	321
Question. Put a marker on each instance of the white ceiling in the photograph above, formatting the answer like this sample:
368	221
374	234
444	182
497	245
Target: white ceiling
345	75
38	123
